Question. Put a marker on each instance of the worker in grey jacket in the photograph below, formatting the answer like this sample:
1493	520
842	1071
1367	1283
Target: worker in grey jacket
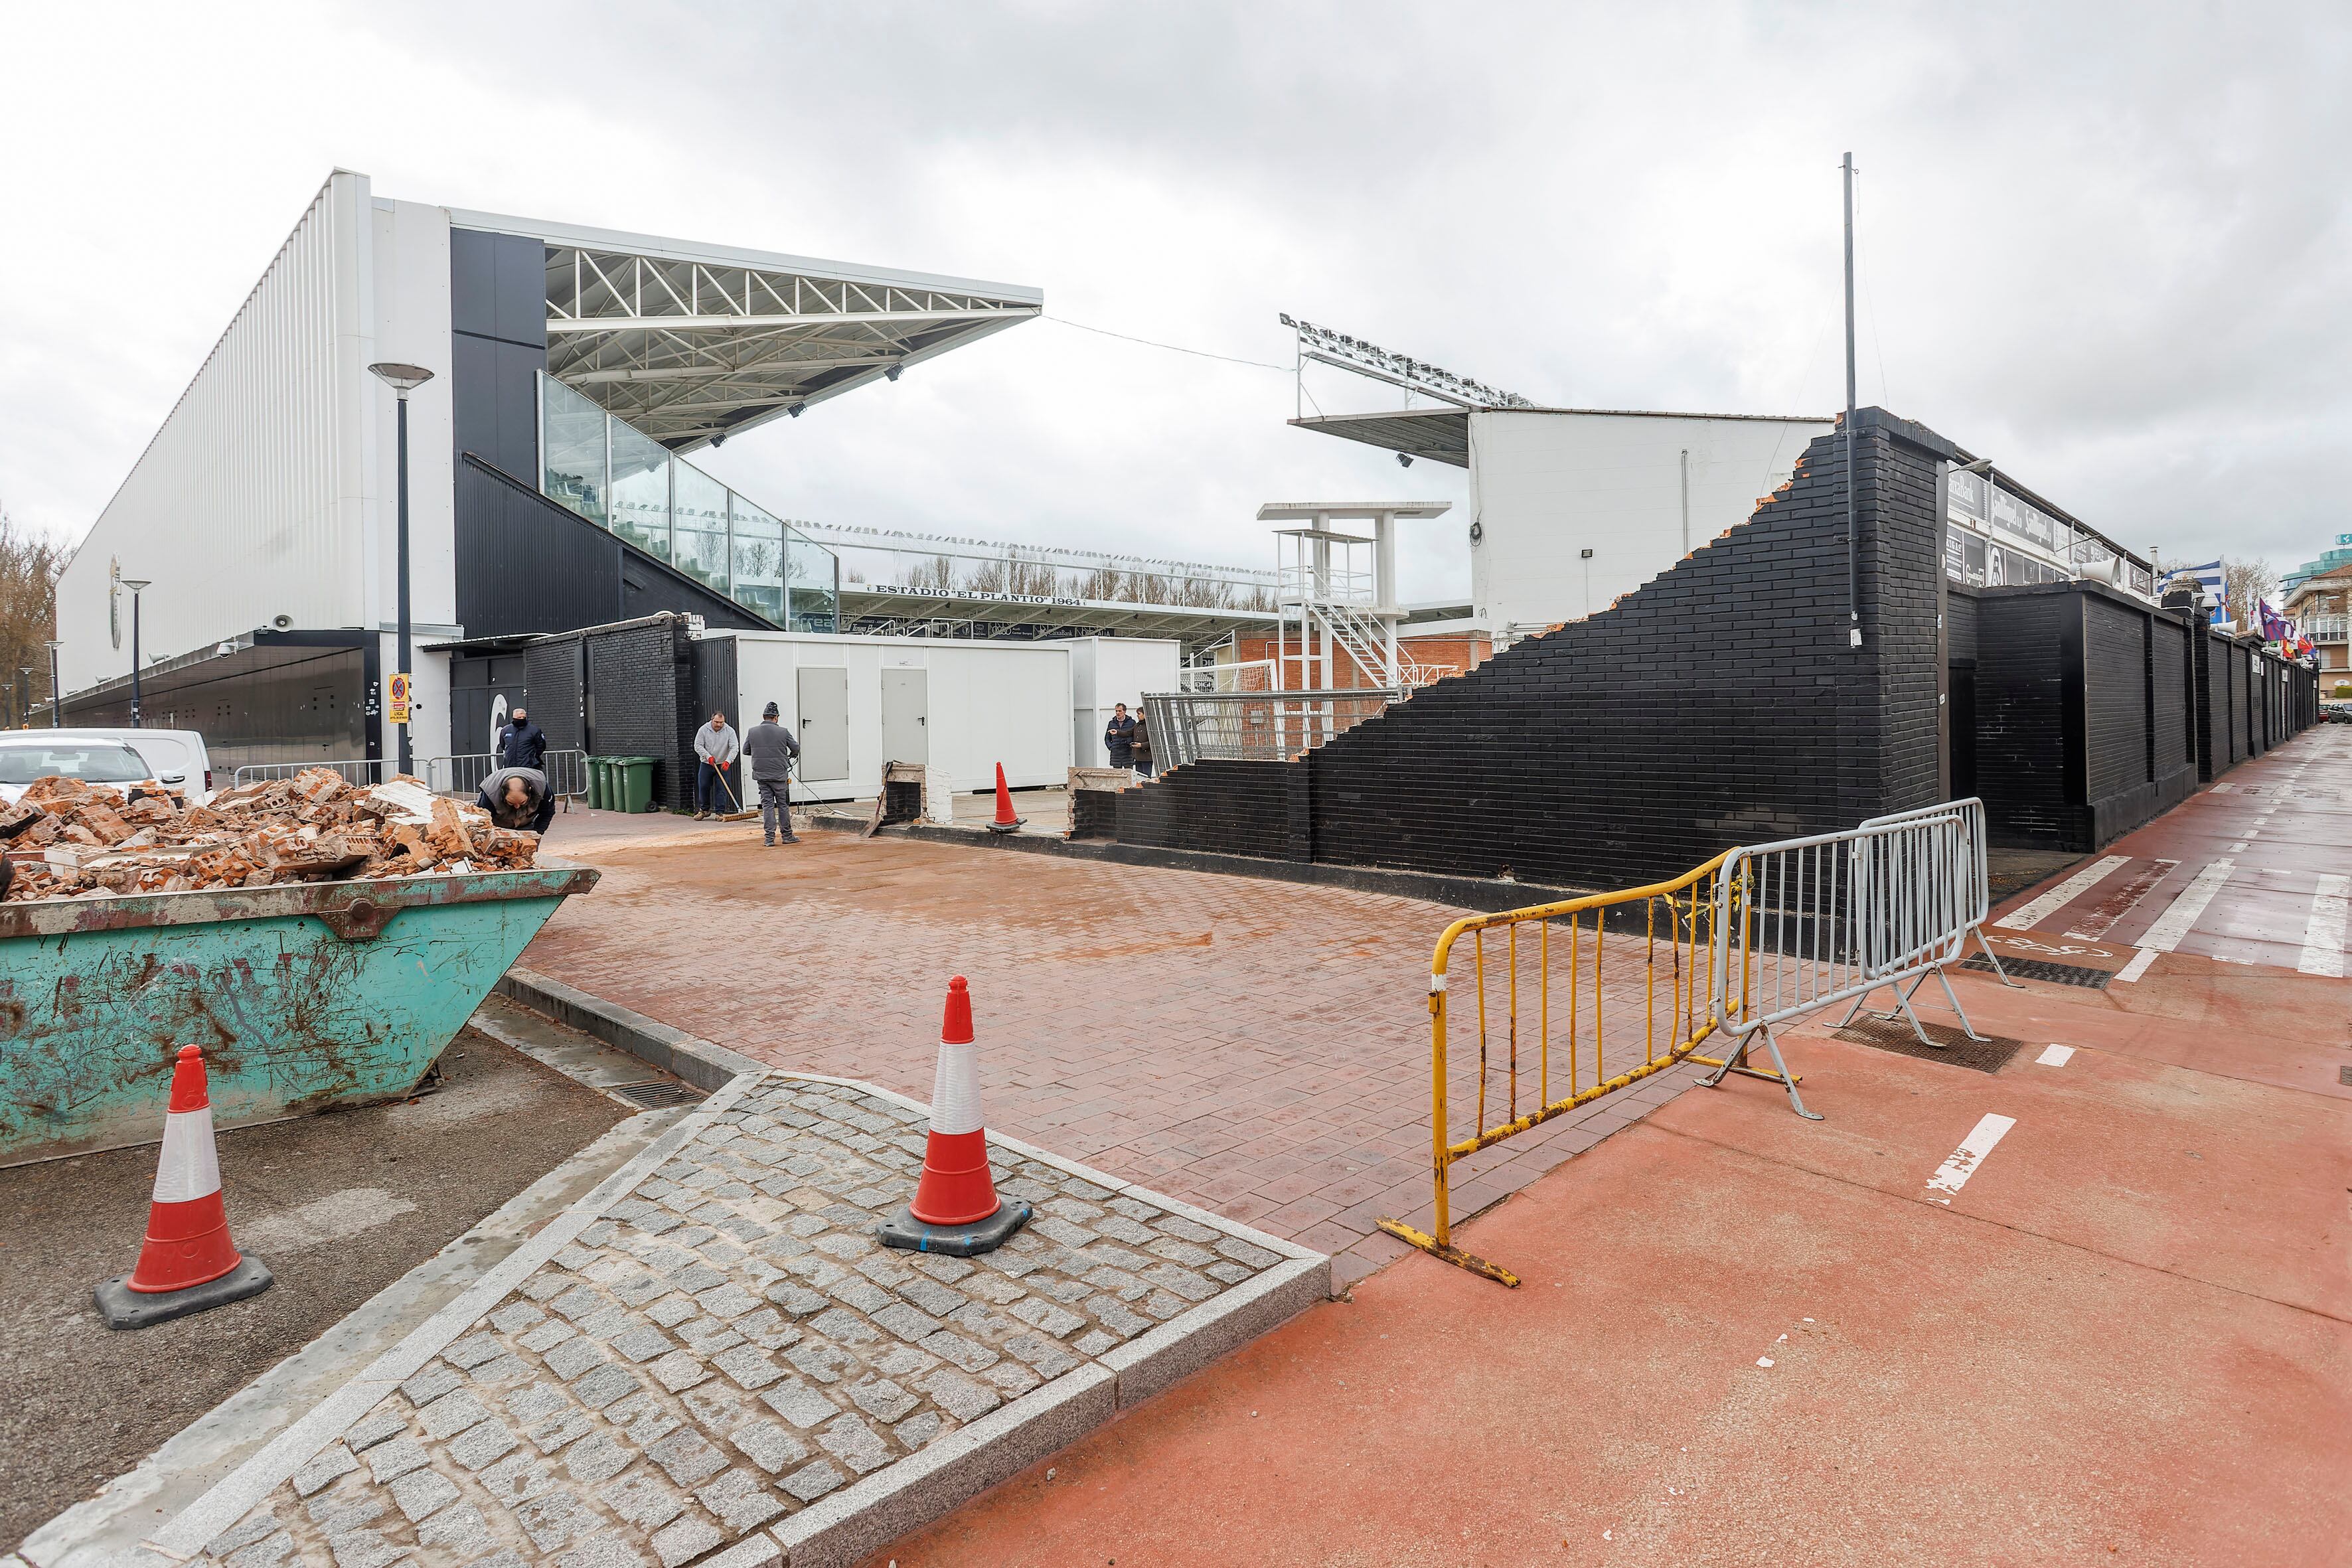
715	750
770	750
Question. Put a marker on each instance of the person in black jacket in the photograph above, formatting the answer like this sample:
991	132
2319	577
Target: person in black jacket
1119	737
522	744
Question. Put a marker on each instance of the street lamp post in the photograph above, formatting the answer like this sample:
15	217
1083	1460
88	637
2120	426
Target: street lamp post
403	379
57	718
25	695
134	585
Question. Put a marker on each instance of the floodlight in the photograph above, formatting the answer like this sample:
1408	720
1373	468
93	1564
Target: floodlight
403	379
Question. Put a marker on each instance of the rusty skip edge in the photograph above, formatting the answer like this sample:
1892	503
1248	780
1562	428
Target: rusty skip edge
355	910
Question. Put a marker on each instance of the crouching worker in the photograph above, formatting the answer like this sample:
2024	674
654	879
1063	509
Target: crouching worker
517	799
770	750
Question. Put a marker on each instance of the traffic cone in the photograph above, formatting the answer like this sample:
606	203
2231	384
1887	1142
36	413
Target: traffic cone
956	1209
1005	821
188	1263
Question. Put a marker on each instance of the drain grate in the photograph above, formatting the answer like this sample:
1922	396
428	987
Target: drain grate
2344	1076
1983	1056
655	1094
2039	969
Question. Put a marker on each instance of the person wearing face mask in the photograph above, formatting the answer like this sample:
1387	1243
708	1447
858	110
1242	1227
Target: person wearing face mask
521	743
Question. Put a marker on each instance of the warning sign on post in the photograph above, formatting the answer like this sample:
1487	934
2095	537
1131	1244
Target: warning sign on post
396	701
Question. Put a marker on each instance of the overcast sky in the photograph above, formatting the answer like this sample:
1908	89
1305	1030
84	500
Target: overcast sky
2107	245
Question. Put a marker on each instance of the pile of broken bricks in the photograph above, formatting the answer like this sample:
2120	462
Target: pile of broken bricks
67	838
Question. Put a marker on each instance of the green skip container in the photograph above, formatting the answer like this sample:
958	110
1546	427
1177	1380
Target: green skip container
304	997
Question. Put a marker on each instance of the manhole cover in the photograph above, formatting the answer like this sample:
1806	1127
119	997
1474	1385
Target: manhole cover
655	1094
2039	969
1984	1056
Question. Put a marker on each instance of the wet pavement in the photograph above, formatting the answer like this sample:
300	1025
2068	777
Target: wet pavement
2094	1307
2250	872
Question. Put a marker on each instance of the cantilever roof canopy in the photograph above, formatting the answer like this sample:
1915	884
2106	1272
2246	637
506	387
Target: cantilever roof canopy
691	343
1442	435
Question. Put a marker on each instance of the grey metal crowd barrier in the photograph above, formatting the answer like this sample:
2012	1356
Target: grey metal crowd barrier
358	770
566	770
1803	924
1254	726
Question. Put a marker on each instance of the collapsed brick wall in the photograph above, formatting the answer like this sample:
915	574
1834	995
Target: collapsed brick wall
1718	704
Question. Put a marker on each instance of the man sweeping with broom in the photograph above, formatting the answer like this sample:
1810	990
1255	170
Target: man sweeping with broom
771	750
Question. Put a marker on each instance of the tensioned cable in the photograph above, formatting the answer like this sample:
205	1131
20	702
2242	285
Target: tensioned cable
1171	348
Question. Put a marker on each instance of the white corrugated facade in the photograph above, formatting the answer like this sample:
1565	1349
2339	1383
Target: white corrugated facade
248	503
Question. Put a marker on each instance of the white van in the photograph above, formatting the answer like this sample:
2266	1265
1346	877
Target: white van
175	757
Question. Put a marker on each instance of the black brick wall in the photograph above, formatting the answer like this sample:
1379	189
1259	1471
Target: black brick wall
1094	813
1717	704
626	691
1225	807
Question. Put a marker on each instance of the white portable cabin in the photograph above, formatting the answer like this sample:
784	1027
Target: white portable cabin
1108	670
958	706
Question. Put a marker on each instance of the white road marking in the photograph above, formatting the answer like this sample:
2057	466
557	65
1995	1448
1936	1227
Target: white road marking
2031	915
1954	1174
2238	848
2174	924
1763	1361
2055	1056
2323	938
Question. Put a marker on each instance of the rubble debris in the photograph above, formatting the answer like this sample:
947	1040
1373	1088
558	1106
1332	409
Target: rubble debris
66	838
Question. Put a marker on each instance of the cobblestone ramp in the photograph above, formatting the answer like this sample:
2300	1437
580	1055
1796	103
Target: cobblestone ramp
726	1366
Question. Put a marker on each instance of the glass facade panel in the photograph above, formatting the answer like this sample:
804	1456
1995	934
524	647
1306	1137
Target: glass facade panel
815	574
759	560
618	477
571	450
698	521
640	488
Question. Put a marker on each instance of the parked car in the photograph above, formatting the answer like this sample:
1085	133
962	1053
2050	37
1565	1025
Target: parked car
174	757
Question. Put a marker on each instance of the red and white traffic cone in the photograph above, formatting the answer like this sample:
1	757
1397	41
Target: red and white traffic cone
188	1263
956	1209
1005	821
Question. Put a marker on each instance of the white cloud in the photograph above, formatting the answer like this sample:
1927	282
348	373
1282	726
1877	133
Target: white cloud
2104	247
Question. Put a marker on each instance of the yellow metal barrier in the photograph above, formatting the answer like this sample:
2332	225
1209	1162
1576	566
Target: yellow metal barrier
1677	961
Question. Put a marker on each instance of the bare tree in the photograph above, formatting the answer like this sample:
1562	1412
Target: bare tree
1100	585
938	573
29	565
2244	582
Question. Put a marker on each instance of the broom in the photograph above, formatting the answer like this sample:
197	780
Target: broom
739	814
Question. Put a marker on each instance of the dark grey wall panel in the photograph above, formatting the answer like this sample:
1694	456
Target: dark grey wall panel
2115	645
274	702
526	564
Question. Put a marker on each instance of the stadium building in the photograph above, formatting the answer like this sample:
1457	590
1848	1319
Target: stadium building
574	374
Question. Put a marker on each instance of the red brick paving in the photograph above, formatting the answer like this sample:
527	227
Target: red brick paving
1260	1049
